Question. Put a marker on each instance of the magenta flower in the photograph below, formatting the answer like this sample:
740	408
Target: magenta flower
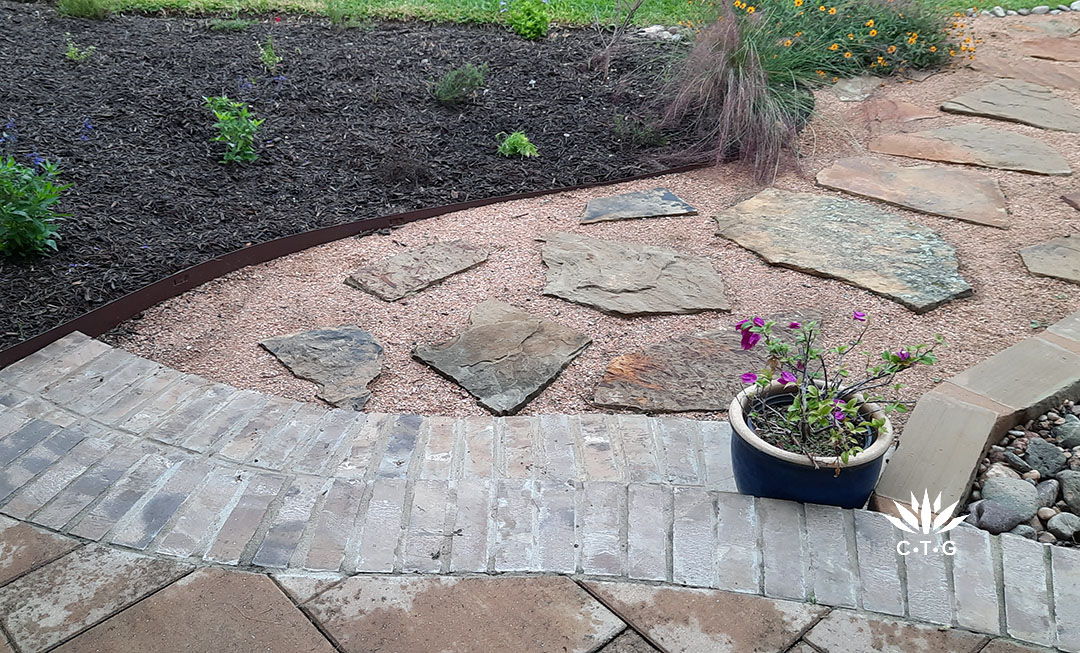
859	316
794	325
839	416
749	339
759	322
903	355
749	377
739	326
800	366
787	377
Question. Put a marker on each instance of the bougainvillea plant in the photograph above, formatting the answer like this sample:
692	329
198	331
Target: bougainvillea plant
826	417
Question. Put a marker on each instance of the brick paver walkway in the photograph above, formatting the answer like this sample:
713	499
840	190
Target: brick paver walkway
156	475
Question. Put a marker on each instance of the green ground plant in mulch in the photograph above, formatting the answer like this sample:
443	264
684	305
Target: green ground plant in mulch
236	128
28	197
516	144
460	84
74	53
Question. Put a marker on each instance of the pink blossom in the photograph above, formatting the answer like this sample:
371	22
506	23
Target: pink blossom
749	377
787	377
859	316
794	325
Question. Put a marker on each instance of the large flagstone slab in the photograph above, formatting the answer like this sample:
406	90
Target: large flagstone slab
1044	27
1045	73
1055	49
1018	101
629	278
655	203
891	110
341	360
977	145
930	189
410	272
851	241
506	357
1059	258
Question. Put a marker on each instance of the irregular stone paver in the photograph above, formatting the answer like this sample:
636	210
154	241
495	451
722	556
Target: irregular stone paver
58	600
1059	258
930	189
1055	49
655	203
302	587
407	614
23	547
506	356
690	620
890	110
844	630
848	240
1037	72
209	610
628	642
1018	101
1073	200
855	89
410	272
628	278
1044	27
342	361
977	145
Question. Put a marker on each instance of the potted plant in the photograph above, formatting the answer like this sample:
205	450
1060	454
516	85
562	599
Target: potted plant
806	428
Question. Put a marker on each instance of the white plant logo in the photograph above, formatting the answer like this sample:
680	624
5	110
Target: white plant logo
919	519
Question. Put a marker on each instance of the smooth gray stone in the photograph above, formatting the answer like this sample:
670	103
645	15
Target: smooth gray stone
1017	495
994	517
1044	457
341	360
1017	463
1068	434
1070	488
412	271
1023	530
1064	525
655	203
1048	492
1018	101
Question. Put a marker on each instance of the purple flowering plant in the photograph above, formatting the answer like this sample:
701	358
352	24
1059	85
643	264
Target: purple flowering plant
826	417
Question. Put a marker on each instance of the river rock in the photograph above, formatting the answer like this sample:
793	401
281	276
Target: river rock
410	272
655	203
975	144
929	189
852	241
1048	492
341	360
1018	101
1064	525
1023	530
629	278
1001	470
1070	488
1068	434
1055	49
1016	462
1059	258
1016	495
993	517
1044	457
506	357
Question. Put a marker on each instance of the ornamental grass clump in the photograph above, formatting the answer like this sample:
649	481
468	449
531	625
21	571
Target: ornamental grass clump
459	85
827	415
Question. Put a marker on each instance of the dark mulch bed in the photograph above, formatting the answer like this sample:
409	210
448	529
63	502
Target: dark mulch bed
351	132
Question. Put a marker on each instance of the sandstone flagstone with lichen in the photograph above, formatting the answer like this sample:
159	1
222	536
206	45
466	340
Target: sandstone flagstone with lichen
630	278
1055	49
1037	72
929	189
978	145
1018	101
341	360
412	271
1059	258
506	357
655	203
851	241
890	110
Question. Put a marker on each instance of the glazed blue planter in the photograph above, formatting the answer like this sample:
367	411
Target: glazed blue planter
762	470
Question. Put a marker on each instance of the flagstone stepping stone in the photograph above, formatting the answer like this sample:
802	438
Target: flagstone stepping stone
410	272
655	203
978	145
341	360
890	110
1052	27
851	241
1018	101
1036	72
629	278
506	357
1055	49
687	372
855	89
1059	258
930	189
1073	200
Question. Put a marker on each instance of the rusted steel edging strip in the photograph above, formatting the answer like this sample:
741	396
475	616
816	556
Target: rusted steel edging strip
101	319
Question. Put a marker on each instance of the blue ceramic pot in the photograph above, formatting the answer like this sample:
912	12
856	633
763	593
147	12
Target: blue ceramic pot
763	470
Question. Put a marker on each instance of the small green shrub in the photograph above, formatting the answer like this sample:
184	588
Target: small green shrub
74	52
97	9
28	195
229	24
529	18
459	84
269	58
516	144
236	128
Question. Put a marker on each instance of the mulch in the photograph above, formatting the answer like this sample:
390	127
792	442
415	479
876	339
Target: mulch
351	132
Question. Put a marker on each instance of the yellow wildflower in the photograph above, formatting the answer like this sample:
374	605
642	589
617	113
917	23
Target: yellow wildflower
891	49
873	32
787	43
870	23
847	55
834	47
832	12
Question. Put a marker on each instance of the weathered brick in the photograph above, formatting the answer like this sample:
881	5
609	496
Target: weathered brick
131	370
401	443
556	534
833	578
63	392
1027	596
928	581
287	526
639	448
426	539
122	496
557	447
383	524
1065	565
146	413
738	557
36	460
176	425
41	490
784	557
28	435
334	524
88	487
245	518
680	444
469	547
190	534
235	412
693	537
278	444
975	589
148	518
717	455
515	513
33	374
518	436
648	523
144	390
323	453
600	448
42	359
603	528
478	453
11	421
360	460
439	448
879	563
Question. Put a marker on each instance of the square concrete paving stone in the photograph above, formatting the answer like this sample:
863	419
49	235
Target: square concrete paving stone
844	630
84	587
400	614
24	547
208	611
655	203
682	619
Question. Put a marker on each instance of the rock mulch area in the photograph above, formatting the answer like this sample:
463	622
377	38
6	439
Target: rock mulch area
1029	483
